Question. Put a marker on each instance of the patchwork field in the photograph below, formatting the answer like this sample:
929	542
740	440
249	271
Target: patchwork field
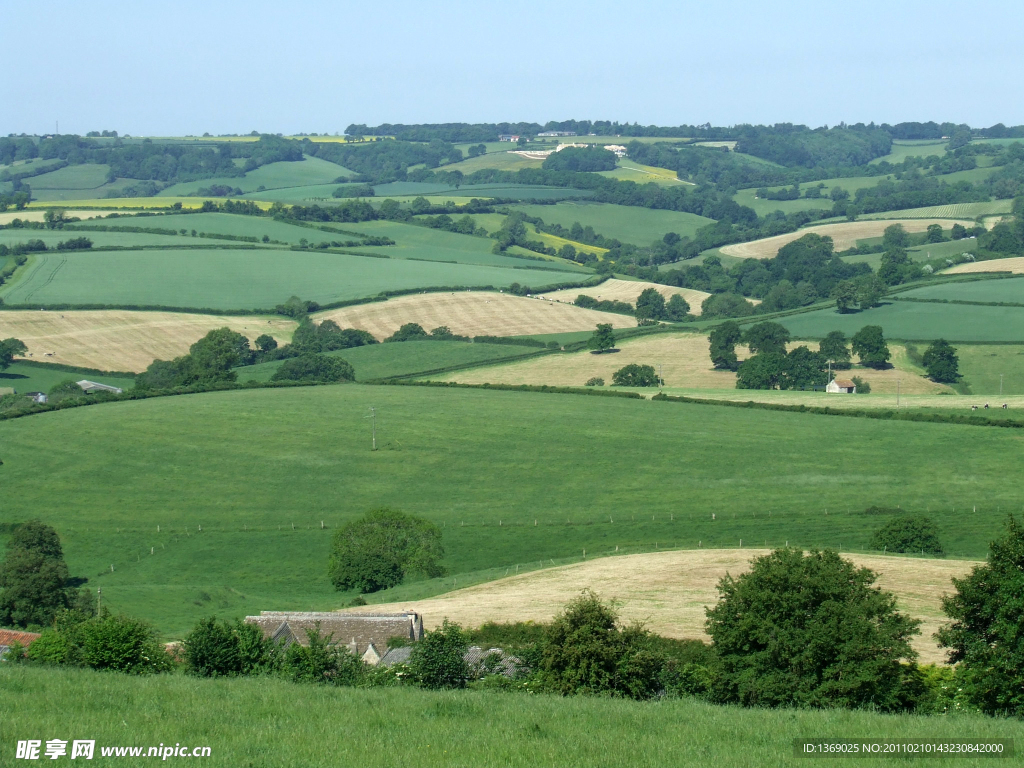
476	313
904	148
248	465
843	235
628	291
682	359
640	226
383	361
908	320
1007	291
240	278
668	591
1015	265
119	340
301	173
38	215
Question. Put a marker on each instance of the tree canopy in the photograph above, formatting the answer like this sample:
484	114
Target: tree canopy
33	577
869	345
941	362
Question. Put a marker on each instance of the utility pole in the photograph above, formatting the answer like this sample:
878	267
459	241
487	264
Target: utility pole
99	598
897	394
373	417
1000	385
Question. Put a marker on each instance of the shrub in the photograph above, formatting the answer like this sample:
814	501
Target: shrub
383	547
596	381
941	362
984	634
603	338
33	577
64	390
908	533
315	368
321	661
587	652
863	387
215	649
634	375
117	643
408	332
437	661
809	631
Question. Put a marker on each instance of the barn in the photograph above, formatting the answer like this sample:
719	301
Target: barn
842	386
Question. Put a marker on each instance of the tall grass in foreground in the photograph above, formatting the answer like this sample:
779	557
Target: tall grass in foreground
265	722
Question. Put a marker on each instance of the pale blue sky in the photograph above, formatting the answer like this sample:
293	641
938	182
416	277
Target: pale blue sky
230	67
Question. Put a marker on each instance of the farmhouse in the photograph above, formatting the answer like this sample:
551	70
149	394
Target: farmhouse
36	397
492	661
557	133
10	636
618	149
509	137
366	635
92	387
844	386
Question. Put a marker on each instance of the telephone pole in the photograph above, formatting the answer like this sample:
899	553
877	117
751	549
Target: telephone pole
897	394
373	417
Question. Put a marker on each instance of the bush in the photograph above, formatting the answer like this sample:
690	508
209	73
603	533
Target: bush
408	332
215	649
596	381
382	548
587	652
315	368
438	661
33	576
863	388
634	375
64	390
117	643
984	636
908	533
321	661
941	362
809	631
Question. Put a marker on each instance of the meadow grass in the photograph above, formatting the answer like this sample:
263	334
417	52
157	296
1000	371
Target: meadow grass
77	177
989	368
627	170
99	239
124	203
502	160
301	173
241	278
383	361
952	211
915	320
560	473
264	722
230	224
1004	290
641	226
904	148
764	207
33	378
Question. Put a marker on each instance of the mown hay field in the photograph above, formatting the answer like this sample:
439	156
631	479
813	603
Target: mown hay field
953	211
628	291
1014	265
629	224
668	591
627	170
473	313
882	398
240	278
844	235
682	359
119	340
247	465
910	320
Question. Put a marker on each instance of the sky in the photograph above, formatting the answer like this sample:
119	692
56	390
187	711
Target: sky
168	69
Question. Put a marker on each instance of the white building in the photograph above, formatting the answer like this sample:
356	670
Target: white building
841	386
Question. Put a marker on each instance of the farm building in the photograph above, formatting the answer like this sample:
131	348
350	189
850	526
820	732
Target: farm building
10	636
509	137
492	661
618	149
556	133
36	397
843	386
366	635
92	387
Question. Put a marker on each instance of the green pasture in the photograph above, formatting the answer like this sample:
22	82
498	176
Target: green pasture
403	188
764	207
561	473
1004	290
925	252
32	164
629	224
77	177
982	366
916	320
239	278
227	224
627	170
273	176
384	361
904	148
502	160
99	239
272	722
24	377
953	211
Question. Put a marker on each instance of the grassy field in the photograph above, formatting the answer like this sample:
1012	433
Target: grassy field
476	313
231	224
991	368
904	148
246	466
268	722
124	203
1006	290
240	278
302	173
122	340
502	160
628	291
77	177
641	226
1015	265
763	207
914	320
682	359
668	591
383	361
99	239
23	377
627	170
955	211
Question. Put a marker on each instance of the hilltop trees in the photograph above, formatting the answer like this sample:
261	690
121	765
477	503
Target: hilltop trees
766	337
33	577
941	362
209	362
835	350
724	339
869	345
809	630
381	548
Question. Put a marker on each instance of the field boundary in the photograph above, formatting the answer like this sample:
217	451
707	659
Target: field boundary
74	368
